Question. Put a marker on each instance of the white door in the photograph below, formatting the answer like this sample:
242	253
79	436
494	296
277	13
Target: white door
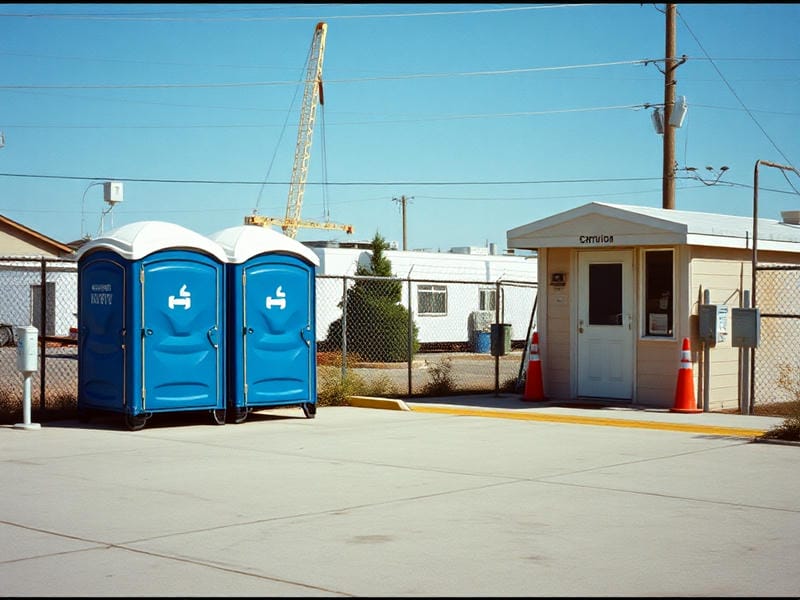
605	324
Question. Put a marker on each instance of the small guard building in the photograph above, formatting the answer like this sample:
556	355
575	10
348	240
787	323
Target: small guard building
620	287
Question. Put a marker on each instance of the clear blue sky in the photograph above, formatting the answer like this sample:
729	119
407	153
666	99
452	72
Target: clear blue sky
485	116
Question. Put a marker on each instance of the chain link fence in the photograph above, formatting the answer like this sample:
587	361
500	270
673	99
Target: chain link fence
394	336
42	292
406	337
417	337
776	361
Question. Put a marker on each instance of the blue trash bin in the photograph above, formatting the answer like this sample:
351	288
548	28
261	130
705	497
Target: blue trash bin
151	323
483	342
271	299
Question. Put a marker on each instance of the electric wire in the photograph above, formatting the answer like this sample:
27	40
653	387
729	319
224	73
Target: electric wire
193	19
735	95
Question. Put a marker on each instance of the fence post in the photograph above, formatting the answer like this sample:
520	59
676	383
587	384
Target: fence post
497	350
410	344
42	333
344	327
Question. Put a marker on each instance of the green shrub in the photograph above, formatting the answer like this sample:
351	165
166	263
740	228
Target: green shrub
509	386
789	429
333	390
441	374
377	324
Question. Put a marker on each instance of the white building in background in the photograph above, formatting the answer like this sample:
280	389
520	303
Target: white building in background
454	294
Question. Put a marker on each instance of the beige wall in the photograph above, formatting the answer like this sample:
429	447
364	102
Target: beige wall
557	365
725	273
11	244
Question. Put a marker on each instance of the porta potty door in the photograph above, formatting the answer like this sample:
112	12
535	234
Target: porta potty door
278	345
181	315
101	336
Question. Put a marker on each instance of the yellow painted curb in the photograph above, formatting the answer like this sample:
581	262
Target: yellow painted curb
373	402
527	416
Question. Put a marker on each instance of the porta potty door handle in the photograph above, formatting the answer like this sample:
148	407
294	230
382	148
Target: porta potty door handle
212	336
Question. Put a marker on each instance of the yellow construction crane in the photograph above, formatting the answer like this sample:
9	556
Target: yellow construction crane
311	96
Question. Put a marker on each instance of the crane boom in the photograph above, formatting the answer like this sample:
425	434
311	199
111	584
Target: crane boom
312	96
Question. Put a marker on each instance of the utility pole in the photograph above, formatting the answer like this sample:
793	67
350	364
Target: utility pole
402	201
670	64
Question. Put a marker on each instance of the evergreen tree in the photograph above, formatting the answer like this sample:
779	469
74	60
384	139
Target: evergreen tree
377	324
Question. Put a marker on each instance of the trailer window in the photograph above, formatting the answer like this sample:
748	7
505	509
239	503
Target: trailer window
432	300
487	299
658	282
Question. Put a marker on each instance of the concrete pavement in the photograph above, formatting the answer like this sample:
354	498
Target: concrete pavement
436	500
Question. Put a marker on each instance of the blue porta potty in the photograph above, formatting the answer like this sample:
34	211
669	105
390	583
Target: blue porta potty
151	323
271	299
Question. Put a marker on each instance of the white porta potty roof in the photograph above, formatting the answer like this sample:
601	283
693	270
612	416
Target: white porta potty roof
243	242
137	240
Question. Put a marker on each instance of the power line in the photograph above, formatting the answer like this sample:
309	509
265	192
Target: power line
410	119
370	183
238	84
401	119
191	19
339	183
735	95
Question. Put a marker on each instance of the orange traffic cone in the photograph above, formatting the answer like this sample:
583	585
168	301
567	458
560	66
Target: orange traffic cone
684	391
533	379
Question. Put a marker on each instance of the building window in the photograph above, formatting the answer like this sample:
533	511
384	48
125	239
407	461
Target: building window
487	299
432	300
659	294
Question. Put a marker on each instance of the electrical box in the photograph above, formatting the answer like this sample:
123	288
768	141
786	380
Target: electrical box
745	327
678	112
112	192
27	349
712	322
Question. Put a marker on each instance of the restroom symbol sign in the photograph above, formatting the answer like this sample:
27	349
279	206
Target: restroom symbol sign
184	299
278	300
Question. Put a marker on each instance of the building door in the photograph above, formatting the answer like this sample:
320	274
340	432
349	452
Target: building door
605	324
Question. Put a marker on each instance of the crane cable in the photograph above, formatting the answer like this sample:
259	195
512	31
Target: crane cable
283	131
325	204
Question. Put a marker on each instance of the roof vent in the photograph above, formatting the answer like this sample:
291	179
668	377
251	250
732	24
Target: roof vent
792	217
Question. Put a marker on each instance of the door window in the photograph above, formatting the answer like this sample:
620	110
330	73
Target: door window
605	294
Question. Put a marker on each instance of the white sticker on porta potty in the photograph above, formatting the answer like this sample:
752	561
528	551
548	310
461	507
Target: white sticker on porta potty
279	299
184	299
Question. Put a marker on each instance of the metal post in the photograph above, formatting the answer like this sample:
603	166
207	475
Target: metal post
497	350
43	334
706	361
344	327
410	334
744	401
